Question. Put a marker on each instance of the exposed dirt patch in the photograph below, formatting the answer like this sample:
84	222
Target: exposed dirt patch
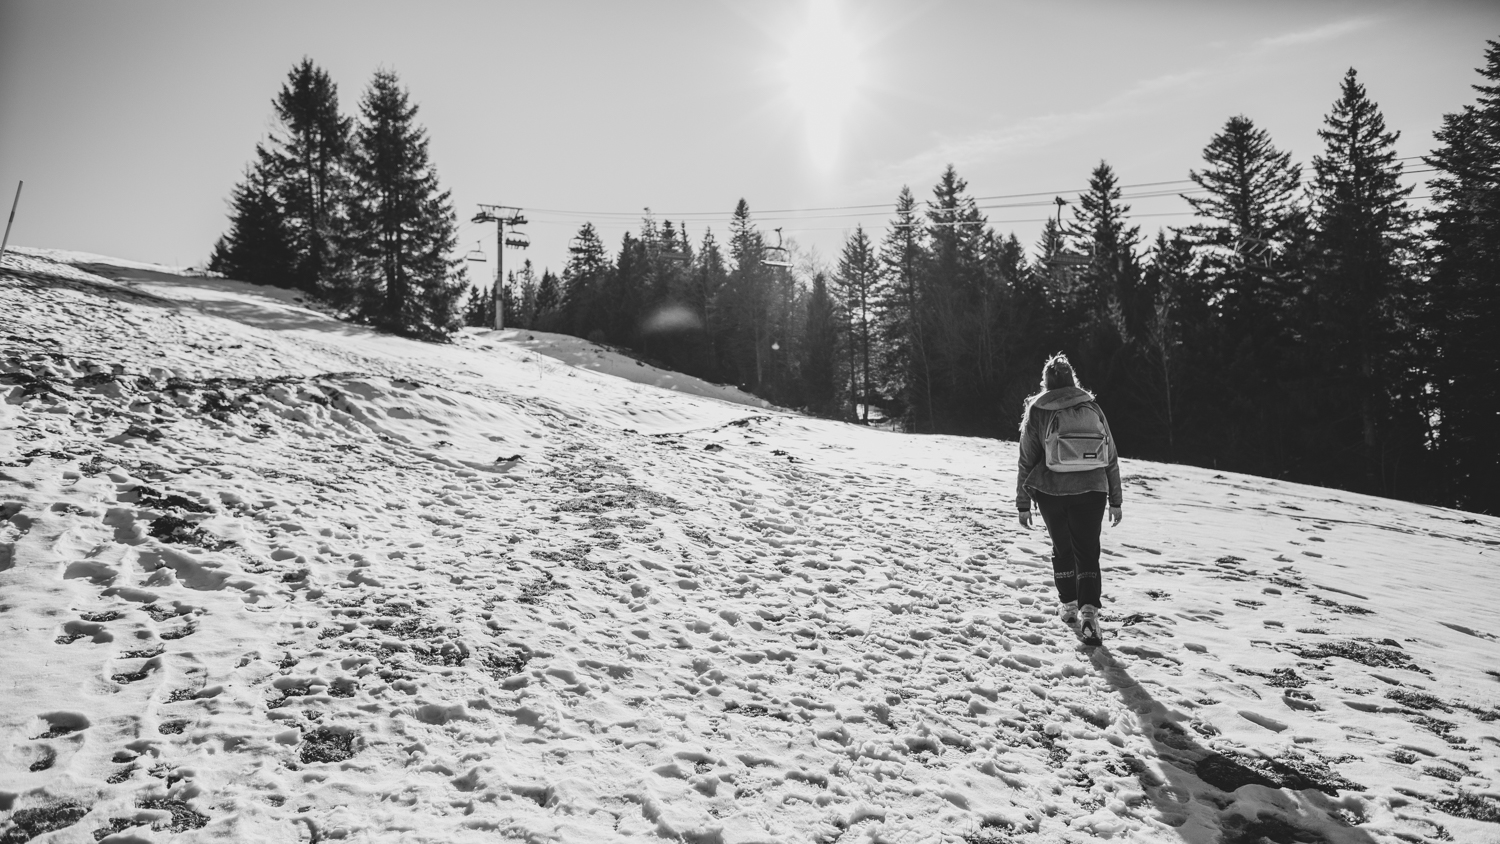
327	745
184	817
27	824
1472	806
1364	653
508	664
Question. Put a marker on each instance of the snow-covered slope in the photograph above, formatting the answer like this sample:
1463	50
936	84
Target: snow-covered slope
269	577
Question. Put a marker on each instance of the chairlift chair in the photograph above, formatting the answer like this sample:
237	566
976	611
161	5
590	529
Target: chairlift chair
676	256
518	240
1062	257
1068	259
778	255
476	254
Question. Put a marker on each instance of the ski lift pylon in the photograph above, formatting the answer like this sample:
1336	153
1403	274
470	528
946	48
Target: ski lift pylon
777	256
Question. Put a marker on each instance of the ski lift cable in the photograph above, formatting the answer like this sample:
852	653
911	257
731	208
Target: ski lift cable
774	217
625	226
875	206
770	216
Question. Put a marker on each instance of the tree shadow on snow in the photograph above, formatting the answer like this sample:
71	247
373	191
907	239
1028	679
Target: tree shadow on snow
274	308
1222	797
277	317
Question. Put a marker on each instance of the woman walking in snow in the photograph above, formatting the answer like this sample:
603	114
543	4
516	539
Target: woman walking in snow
1069	466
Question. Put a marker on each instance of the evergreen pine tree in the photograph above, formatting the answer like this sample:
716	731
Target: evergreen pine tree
1055	272
583	277
526	296
706	296
257	248
624	292
1166	283
665	337
548	301
1101	229
479	308
1250	260
1052	243
308	156
395	269
1463	305
819	348
906	368
747	298
1023	321
963	302
856	280
510	302
1362	236
1253	220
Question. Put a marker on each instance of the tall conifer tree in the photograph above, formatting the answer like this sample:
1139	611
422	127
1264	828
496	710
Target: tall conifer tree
1362	237
526	289
819	365
707	297
548	301
395	267
856	280
1101	229
749	292
1252	221
257	248
1462	311
308	154
1167	287
623	294
1249	249
583	277
907	367
962	304
1022	323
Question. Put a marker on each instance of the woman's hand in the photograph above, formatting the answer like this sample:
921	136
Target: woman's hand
1115	516
1025	517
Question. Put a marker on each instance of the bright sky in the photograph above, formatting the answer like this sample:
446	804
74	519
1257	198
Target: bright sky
130	122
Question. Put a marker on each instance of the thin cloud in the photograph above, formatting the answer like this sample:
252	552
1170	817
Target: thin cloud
1316	35
964	151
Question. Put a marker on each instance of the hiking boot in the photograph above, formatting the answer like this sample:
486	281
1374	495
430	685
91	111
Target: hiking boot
1068	613
1088	626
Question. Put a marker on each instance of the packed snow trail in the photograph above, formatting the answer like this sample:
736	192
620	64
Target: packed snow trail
266	576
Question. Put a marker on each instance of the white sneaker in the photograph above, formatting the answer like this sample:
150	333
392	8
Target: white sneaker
1068	613
1088	626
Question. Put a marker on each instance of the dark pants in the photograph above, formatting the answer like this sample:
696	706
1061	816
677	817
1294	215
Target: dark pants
1074	522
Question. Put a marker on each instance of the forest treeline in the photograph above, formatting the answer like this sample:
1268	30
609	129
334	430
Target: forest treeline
1308	324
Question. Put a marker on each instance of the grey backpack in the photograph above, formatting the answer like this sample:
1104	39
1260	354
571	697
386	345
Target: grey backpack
1076	439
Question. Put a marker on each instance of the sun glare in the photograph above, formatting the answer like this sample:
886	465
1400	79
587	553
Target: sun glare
824	73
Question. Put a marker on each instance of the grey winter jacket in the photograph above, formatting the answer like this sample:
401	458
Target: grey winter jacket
1032	473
